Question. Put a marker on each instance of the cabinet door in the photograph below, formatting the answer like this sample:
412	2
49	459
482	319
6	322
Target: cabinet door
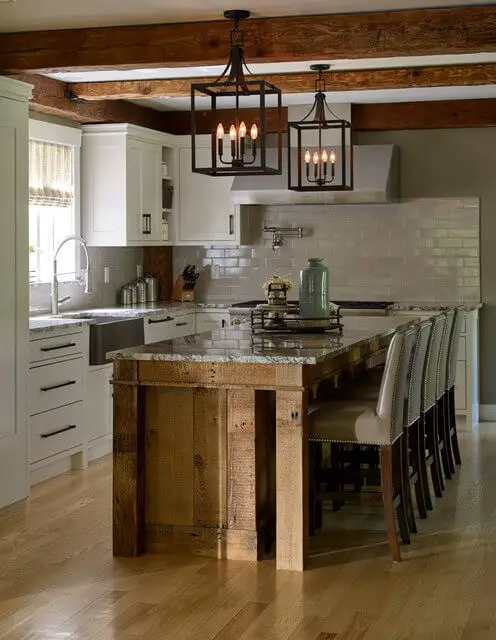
211	321
13	301
143	191
205	212
99	402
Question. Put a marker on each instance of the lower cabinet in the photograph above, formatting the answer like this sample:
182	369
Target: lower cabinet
56	431
99	404
167	326
212	320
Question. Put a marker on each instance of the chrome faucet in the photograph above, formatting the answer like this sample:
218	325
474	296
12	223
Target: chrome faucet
54	290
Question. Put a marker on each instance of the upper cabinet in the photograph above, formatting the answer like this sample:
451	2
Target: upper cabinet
206	214
127	186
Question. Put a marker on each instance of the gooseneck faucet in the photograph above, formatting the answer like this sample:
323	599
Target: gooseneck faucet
54	290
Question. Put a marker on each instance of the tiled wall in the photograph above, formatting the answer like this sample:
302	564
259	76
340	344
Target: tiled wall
416	250
122	263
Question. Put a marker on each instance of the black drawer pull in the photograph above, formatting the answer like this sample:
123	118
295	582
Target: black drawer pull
59	386
61	346
181	324
56	433
168	319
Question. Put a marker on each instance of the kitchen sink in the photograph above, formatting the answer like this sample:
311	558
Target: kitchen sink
108	333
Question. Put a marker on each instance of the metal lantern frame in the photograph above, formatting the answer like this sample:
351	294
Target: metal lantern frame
232	83
318	120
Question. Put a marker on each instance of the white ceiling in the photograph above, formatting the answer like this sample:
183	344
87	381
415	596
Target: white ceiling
30	15
339	97
273	67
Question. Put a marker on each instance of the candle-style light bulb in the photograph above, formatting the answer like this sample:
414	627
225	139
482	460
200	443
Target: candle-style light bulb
242	136
308	157
325	158
316	164
254	136
316	158
233	134
333	162
220	139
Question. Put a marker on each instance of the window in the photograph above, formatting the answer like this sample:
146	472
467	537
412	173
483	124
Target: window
53	199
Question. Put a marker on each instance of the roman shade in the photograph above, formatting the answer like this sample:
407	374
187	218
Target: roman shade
51	174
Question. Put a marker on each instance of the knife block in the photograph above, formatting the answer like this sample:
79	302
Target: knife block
180	294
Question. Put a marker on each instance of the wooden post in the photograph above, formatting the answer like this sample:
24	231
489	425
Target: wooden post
129	462
292	480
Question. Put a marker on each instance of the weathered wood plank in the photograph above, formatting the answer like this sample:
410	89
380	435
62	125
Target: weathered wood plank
129	465
276	39
169	420
292	480
441	114
210	457
355	80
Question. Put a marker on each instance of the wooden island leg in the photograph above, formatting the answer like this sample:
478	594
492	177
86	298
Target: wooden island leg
128	469
292	480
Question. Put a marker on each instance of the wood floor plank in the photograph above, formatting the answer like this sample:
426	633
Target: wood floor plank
58	578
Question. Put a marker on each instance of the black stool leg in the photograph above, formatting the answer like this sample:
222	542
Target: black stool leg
453	429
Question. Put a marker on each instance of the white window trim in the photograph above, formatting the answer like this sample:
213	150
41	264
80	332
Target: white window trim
70	136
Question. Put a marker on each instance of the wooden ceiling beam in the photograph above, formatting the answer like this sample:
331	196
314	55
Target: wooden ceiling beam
443	114
416	32
50	97
360	80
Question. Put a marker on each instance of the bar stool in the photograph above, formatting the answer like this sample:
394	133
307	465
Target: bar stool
380	425
428	420
414	454
442	421
449	395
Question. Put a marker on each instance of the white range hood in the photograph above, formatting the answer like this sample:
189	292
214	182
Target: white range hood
376	181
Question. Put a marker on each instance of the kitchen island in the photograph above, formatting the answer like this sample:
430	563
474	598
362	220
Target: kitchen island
210	437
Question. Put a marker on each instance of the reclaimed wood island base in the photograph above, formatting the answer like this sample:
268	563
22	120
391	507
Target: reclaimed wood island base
211	442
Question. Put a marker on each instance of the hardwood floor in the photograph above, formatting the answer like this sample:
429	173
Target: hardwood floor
58	579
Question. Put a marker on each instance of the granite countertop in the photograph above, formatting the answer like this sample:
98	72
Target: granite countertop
47	324
434	306
68	320
240	345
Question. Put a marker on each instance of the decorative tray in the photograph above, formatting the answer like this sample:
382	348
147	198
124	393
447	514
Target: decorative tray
286	319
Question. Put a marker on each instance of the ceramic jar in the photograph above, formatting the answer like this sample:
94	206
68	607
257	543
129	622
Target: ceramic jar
314	290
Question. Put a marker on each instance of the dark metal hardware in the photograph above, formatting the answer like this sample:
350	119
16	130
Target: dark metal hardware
58	386
60	346
147	220
181	324
223	323
168	319
231	224
56	433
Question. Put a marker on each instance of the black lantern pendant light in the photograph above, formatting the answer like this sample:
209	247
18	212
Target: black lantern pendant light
238	142
320	147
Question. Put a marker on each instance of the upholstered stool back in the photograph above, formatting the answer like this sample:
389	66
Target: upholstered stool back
443	354
453	348
429	382
416	374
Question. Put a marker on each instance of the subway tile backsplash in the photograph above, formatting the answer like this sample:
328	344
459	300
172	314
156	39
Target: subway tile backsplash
415	250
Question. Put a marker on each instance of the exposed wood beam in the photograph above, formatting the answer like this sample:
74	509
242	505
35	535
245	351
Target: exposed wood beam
424	115
360	35
361	80
49	98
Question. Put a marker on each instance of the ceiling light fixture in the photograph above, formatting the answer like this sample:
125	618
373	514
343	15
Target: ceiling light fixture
244	152
320	147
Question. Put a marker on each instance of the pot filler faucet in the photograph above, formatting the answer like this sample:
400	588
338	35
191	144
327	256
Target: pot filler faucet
54	289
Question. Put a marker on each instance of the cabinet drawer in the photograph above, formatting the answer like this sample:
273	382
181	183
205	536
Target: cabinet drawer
56	347
210	321
54	385
184	326
159	327
55	431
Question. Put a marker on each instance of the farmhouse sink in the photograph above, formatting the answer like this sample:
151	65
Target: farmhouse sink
108	333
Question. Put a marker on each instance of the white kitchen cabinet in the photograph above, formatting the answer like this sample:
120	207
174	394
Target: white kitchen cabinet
100	411
211	320
206	215
56	400
166	326
14	236
122	195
